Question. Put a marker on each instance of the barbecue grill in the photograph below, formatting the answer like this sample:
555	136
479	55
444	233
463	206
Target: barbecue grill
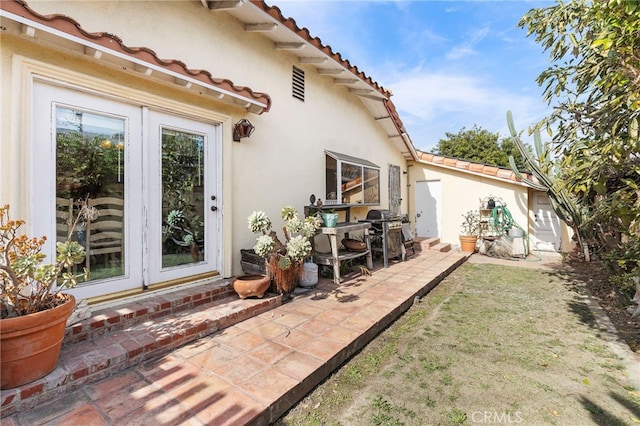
389	226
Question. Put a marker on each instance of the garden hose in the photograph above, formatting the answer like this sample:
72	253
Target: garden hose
503	222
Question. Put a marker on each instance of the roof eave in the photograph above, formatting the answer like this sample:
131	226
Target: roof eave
64	32
286	34
465	166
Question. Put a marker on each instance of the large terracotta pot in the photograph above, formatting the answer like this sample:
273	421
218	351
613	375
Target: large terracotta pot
30	344
468	243
251	285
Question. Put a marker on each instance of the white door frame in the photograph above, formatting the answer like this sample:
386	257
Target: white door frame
43	179
138	197
154	272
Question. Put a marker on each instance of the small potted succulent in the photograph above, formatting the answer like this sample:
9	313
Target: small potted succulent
284	259
470	229
33	308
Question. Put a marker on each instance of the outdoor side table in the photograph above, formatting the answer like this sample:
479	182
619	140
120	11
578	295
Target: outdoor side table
336	256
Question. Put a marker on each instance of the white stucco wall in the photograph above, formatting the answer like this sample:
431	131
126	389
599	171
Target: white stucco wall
462	192
282	163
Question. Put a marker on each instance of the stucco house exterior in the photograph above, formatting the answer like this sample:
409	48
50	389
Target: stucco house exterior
139	107
443	188
134	105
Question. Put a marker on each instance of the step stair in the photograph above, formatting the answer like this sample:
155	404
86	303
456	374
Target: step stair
117	336
431	243
443	247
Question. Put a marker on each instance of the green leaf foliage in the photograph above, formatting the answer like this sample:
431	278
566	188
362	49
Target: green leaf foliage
593	83
481	146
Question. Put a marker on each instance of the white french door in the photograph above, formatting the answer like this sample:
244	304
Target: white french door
183	197
151	175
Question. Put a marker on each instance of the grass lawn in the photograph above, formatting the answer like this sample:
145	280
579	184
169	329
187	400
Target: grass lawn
490	345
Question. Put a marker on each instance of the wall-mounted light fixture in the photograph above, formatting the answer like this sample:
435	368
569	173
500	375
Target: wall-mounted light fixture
242	129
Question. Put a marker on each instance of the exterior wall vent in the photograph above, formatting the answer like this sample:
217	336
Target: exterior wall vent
298	83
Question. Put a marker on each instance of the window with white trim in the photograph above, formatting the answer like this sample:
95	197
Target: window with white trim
351	180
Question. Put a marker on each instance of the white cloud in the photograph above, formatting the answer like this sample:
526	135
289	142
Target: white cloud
472	39
438	86
433	104
460	52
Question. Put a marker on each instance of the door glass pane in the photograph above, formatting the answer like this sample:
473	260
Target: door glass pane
90	166
183	180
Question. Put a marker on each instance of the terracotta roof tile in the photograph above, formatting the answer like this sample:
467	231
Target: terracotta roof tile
470	166
70	26
110	41
463	164
290	23
505	173
476	167
451	162
304	33
490	170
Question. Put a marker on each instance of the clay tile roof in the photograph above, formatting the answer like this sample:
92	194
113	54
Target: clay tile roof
290	23
451	162
490	170
327	50
470	166
68	25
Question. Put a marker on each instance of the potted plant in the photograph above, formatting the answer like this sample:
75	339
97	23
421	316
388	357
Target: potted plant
470	229
33	309
284	260
329	218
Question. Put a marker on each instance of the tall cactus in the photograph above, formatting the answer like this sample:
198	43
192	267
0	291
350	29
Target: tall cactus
543	169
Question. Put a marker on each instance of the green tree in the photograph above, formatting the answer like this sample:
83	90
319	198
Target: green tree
595	80
481	146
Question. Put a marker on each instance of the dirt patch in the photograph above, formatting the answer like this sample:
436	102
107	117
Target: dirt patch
595	279
490	344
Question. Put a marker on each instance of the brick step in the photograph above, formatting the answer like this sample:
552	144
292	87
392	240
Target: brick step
431	243
125	336
443	247
426	242
114	316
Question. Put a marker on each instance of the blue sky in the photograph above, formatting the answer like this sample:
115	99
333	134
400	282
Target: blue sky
449	64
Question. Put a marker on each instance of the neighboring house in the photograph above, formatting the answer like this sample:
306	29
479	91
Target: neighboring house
443	188
133	104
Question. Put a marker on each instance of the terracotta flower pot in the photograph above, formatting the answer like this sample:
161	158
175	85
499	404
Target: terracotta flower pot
30	344
251	285
468	243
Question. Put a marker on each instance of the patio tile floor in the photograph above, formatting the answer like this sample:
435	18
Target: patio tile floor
253	371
